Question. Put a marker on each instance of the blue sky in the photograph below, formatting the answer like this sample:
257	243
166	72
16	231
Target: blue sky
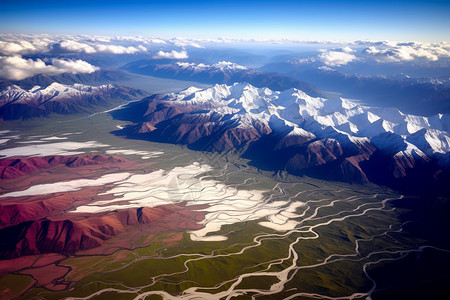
305	20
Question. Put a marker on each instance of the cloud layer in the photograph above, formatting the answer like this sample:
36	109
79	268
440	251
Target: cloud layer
39	44
398	52
74	46
171	55
337	57
17	68
13	48
22	56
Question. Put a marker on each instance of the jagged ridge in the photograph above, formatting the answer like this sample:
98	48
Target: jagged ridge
221	72
19	103
290	130
18	166
68	236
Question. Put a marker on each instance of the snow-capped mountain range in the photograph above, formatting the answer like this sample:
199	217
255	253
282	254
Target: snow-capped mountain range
299	114
54	91
223	72
222	66
411	94
293	131
16	102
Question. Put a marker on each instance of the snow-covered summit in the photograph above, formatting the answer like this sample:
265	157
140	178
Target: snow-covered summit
320	117
222	66
54	91
226	65
17	102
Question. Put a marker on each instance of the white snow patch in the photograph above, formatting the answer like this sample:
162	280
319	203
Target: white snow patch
143	154
54	138
62	148
226	205
67	186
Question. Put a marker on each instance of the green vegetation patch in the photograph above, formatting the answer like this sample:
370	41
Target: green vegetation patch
13	285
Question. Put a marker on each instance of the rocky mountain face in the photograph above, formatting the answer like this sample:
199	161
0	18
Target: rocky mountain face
18	103
36	224
15	167
68	235
292	131
44	80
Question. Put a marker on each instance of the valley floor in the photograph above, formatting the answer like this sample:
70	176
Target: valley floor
255	235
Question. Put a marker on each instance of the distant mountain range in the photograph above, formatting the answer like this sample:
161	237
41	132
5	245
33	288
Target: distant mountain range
19	103
222	72
411	95
43	80
292	131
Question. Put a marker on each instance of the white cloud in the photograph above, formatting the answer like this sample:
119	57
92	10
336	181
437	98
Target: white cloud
397	52
114	49
73	66
13	48
102	39
347	50
17	68
172	55
21	44
182	42
337	57
74	46
39	44
156	41
22	47
131	38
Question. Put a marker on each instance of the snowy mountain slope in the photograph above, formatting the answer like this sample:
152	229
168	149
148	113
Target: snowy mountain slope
223	65
318	116
413	95
16	102
293	131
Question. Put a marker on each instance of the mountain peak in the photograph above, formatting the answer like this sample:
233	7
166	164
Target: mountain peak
292	131
17	103
226	65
